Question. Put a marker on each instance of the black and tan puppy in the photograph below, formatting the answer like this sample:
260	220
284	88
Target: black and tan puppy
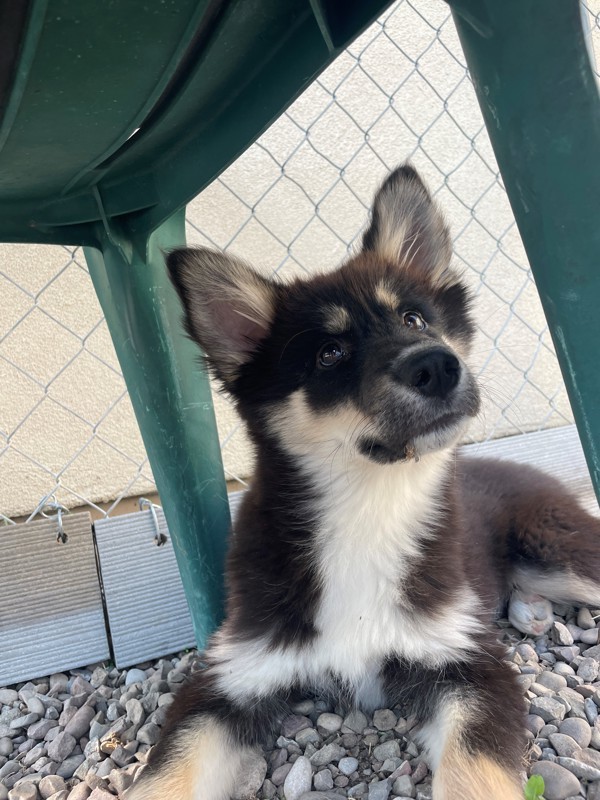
368	559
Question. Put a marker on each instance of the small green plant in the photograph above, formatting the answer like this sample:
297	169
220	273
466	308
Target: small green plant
534	788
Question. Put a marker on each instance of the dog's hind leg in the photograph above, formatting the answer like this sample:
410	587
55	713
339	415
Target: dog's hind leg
206	740
472	728
554	547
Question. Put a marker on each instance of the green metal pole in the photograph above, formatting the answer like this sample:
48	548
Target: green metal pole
172	401
539	99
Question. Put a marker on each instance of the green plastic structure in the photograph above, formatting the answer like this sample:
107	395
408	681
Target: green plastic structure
114	115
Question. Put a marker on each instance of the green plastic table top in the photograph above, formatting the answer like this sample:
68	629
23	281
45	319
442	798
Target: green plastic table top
119	112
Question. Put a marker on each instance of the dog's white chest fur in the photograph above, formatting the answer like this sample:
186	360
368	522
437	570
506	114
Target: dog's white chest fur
371	524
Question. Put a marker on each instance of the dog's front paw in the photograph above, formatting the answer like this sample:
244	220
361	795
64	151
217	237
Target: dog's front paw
530	613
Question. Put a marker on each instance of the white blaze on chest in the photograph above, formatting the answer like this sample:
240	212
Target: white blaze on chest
374	523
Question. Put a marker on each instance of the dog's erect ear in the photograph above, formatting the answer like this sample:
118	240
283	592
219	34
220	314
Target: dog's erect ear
407	226
228	306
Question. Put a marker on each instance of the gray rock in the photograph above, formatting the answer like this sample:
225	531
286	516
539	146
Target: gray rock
585	619
384	719
280	774
323	780
134	676
329	723
308	735
593	652
580	769
40	729
135	711
561	634
50	785
564	745
24	722
577	729
348	765
148	733
79	724
26	791
589	637
67	769
552	681
32	756
548	708
320	796
559	783
588	669
8	697
420	772
355	722
385	750
6	746
294	723
405	725
380	790
299	779
566	653
254	773
534	723
591	710
79	685
269	790
62	746
3	792
560	668
80	792
10	767
59	682
35	706
303	707
390	765
100	793
327	754
404	786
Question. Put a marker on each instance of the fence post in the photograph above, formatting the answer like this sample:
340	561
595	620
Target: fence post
539	99
171	398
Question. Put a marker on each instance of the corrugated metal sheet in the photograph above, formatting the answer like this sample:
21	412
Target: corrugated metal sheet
147	611
51	615
556	451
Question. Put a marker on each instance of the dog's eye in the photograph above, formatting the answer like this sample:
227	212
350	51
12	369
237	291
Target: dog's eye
330	354
412	319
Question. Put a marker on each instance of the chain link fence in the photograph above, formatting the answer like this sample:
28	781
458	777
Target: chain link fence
295	202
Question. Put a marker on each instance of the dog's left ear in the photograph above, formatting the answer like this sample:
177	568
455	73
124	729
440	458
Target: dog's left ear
407	226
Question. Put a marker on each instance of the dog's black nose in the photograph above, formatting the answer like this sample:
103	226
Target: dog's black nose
433	373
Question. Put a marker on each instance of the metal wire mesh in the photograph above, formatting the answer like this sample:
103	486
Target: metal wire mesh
296	201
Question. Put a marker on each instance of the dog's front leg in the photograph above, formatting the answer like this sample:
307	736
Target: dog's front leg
473	724
209	734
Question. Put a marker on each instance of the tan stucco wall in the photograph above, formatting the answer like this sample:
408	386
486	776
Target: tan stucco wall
285	206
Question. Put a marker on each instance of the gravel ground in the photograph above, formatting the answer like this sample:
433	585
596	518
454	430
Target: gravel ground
86	734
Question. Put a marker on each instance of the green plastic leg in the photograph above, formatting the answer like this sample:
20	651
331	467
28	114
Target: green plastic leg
540	103
172	401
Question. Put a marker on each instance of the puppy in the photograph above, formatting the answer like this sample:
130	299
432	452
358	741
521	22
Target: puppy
368	558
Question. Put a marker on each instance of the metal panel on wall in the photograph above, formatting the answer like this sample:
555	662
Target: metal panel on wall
51	615
148	614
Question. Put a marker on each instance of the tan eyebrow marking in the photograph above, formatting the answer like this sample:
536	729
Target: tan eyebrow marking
337	319
385	296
